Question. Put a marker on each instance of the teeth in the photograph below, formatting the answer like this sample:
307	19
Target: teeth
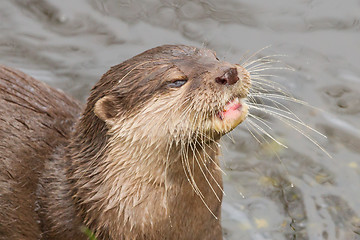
235	100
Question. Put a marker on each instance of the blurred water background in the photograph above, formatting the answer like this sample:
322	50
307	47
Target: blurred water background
271	192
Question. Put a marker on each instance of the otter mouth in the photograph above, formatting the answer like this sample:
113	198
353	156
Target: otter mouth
233	113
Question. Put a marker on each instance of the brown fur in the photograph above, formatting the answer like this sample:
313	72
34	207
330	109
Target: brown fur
140	163
34	121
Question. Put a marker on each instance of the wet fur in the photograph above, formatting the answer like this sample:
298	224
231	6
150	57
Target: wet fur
35	120
140	163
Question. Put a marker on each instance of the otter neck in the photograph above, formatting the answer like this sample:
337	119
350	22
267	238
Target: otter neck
122	183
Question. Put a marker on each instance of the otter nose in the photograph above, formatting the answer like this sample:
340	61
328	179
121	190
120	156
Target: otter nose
230	77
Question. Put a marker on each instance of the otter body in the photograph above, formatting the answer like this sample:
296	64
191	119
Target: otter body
139	162
35	120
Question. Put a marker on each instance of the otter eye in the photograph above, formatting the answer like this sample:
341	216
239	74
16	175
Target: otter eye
177	83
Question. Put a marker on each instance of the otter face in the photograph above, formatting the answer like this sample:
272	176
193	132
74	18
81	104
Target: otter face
181	90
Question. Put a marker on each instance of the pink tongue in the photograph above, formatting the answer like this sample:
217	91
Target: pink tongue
233	109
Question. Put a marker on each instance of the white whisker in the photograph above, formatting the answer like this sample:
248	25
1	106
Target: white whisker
266	133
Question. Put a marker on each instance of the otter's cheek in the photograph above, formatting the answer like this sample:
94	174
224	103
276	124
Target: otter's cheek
228	120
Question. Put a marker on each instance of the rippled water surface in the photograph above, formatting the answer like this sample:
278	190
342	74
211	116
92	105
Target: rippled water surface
271	192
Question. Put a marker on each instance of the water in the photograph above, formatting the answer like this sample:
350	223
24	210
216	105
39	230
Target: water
271	192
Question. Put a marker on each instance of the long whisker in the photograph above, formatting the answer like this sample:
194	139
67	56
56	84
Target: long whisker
269	96
279	115
187	171
273	151
247	126
263	63
203	144
245	63
268	68
203	173
266	133
260	120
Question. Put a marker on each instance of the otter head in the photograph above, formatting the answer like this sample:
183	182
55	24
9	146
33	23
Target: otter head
173	93
147	121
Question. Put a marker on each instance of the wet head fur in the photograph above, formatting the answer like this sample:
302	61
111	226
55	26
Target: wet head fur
142	161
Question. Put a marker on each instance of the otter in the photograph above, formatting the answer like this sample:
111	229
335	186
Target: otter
140	161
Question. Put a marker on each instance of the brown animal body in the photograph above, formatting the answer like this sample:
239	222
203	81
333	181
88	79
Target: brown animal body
140	162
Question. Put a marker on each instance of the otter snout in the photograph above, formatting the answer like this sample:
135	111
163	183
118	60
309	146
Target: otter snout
230	77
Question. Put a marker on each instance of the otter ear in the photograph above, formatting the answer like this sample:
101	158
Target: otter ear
105	109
